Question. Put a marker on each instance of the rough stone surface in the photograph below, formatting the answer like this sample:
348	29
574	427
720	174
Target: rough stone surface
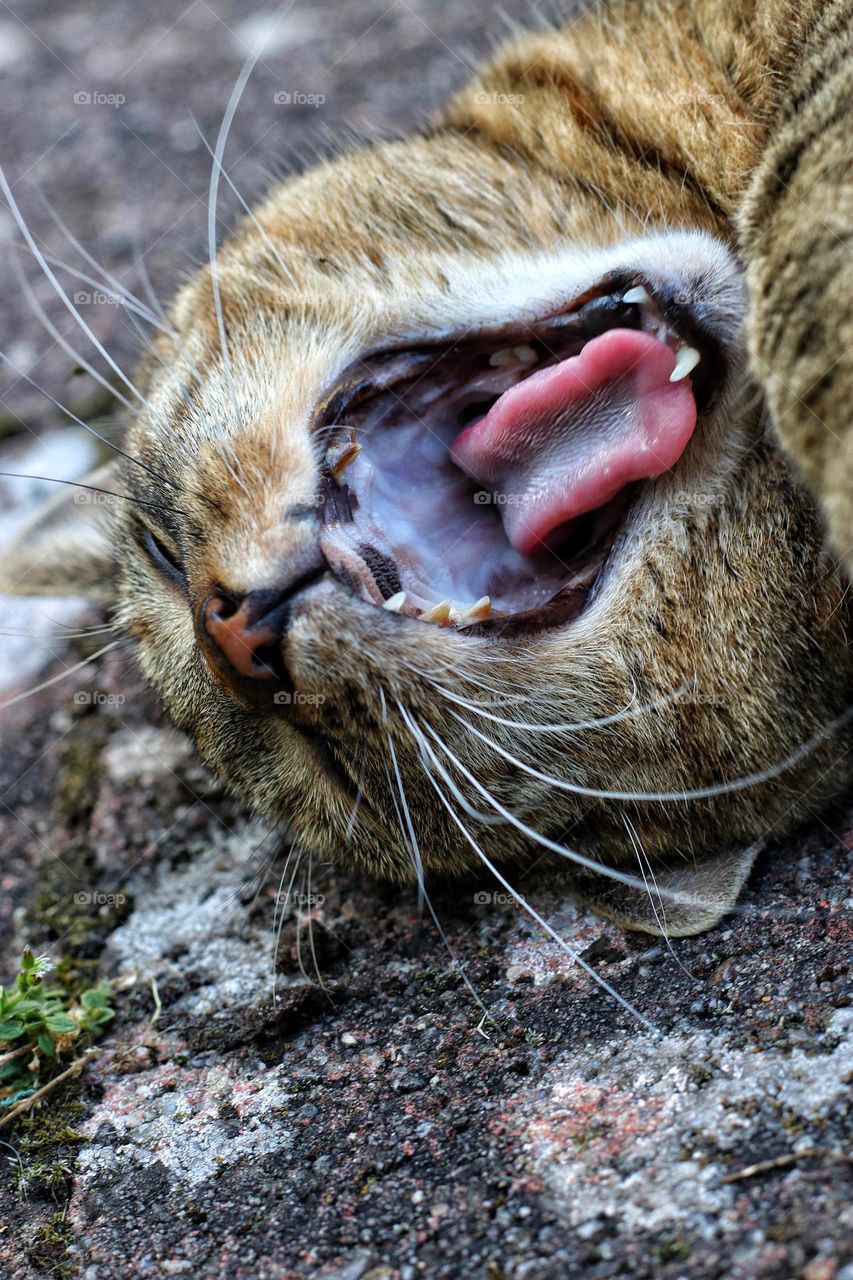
304	1077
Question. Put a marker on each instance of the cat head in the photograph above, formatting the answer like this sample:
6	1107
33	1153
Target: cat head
455	535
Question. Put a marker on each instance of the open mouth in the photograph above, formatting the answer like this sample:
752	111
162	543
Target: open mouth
482	484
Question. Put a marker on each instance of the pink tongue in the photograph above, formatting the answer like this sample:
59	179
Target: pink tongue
569	438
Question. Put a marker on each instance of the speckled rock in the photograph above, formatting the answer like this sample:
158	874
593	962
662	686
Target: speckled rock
304	1078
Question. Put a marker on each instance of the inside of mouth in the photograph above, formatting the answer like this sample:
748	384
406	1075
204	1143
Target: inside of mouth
487	479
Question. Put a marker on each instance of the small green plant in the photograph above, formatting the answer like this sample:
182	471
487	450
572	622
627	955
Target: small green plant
38	1027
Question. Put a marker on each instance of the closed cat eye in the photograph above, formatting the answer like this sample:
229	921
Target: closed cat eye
164	559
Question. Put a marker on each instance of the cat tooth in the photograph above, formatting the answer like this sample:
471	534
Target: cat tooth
477	612
439	613
525	353
339	457
686	359
637	294
506	355
395	603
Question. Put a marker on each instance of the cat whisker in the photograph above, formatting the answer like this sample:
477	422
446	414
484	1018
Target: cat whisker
658	907
62	675
213	192
571	855
92	488
359	794
79	421
248	210
310	901
67	635
671	797
116	287
525	905
417	862
279	909
62	342
156	305
414	848
106	289
63	296
79	360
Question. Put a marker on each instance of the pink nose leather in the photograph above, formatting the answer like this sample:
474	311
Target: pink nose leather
238	639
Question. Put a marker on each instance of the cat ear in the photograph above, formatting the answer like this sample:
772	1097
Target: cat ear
705	892
67	548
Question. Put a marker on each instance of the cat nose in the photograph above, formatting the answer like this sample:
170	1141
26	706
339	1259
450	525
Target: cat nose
243	631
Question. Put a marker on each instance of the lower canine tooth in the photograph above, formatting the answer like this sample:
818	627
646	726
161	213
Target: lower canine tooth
686	359
339	457
395	603
506	355
439	613
474	613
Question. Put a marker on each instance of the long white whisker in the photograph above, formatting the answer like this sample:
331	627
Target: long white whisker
108	290
247	209
62	341
213	192
278	919
648	873
116	286
63	675
629	711
417	862
665	797
359	795
534	914
309	900
156	305
62	295
80	423
413	840
563	851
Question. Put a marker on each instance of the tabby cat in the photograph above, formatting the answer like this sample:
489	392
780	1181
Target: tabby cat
469	516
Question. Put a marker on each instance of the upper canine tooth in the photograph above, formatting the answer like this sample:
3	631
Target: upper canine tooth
395	603
439	613
686	358
506	355
525	353
638	294
474	613
339	457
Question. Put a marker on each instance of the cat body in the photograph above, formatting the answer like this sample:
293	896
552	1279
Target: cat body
359	362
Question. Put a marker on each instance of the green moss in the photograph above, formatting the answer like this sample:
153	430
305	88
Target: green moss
80	770
49	1249
672	1250
47	1139
70	906
782	1232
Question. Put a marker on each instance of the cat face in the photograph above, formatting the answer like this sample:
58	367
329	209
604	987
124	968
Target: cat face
456	536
